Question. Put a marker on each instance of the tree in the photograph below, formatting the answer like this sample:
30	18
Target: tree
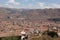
51	33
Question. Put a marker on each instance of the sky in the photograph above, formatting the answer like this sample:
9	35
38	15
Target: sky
30	4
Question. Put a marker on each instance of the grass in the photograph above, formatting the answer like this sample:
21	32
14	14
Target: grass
10	38
44	37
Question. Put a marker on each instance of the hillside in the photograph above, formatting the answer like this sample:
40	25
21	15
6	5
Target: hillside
13	21
30	13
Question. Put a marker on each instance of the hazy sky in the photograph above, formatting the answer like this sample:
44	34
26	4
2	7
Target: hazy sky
34	4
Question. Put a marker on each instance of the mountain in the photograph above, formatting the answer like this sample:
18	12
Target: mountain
30	13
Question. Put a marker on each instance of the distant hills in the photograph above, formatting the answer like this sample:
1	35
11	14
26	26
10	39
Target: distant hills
32	14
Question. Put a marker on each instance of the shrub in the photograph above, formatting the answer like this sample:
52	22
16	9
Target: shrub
51	33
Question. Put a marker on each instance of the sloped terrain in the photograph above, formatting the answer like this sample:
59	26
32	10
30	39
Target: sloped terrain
13	21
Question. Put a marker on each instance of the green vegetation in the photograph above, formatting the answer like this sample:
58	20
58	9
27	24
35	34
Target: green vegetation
48	35
43	37
51	33
10	38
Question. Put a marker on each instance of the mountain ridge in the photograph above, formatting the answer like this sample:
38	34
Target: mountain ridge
30	13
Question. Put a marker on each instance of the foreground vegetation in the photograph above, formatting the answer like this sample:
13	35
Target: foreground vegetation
9	38
44	37
48	35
